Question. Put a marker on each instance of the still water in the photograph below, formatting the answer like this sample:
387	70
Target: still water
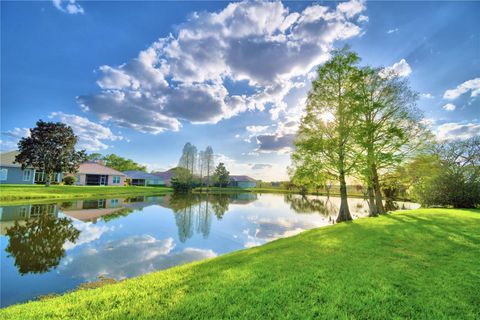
53	248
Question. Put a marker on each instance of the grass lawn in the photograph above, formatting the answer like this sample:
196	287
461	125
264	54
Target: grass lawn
12	194
422	264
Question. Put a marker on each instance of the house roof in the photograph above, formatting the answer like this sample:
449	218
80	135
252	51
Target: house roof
96	168
241	178
166	175
7	159
139	175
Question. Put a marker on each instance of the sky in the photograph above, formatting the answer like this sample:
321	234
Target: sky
140	79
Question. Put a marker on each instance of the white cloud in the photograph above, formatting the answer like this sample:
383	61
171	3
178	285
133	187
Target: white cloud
12	137
457	131
426	96
88	233
164	86
401	69
91	135
68	6
393	31
472	86
449	107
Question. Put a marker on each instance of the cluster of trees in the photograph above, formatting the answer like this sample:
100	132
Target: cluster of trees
359	121
116	162
197	169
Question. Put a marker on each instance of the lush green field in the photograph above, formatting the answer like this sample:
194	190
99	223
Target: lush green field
419	264
11	194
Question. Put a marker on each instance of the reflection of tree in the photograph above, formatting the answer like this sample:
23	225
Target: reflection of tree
118	214
197	208
305	204
37	246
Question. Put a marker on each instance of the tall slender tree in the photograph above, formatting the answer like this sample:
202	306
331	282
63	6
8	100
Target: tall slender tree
389	127
209	163
326	133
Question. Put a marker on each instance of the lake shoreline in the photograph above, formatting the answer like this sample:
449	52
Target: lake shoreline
214	279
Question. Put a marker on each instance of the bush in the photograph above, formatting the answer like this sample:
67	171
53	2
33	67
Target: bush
69	180
182	180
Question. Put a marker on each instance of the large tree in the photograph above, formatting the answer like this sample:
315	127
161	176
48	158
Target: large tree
209	163
326	133
188	160
121	164
50	148
388	127
221	175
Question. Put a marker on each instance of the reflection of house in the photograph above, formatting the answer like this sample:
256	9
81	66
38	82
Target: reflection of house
11	172
243	198
90	210
140	178
94	173
10	214
166	176
242	182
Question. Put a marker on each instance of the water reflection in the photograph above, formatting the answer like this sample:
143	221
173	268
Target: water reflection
55	247
38	245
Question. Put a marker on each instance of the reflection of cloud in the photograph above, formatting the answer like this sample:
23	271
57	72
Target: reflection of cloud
130	257
88	233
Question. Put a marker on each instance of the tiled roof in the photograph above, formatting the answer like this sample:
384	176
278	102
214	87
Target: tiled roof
95	168
139	175
241	178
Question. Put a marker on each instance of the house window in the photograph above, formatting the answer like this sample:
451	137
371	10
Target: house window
116	179
3	174
27	175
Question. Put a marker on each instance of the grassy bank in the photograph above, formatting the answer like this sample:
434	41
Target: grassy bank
420	264
13	194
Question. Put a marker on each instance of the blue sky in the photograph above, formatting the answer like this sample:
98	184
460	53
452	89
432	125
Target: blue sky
140	79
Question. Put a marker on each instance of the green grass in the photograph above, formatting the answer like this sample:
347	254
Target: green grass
419	264
13	194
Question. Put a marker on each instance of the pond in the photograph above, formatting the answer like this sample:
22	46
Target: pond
53	248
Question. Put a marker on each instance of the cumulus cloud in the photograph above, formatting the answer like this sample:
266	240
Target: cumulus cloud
88	233
449	107
183	77
261	166
68	6
472	86
130	257
426	96
457	131
91	135
11	138
401	69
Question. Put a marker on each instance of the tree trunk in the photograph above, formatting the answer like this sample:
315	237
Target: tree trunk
373	211
344	213
378	192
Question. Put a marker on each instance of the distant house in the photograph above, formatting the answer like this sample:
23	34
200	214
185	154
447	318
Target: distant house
94	173
166	176
140	178
12	173
242	182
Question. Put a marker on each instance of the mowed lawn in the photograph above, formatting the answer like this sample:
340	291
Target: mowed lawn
419	264
10	194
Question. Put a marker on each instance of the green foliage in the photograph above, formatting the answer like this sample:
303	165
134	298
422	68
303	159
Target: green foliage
419	264
221	176
37	246
69	180
182	180
454	175
50	148
122	164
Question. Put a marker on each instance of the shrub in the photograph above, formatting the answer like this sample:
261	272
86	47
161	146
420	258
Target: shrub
69	180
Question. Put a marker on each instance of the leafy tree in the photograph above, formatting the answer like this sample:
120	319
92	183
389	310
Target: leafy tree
51	148
121	164
456	180
94	156
182	180
37	246
326	133
221	175
389	127
188	160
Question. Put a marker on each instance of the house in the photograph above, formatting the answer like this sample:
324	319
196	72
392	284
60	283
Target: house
166	176
94	173
12	172
140	178
242	182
